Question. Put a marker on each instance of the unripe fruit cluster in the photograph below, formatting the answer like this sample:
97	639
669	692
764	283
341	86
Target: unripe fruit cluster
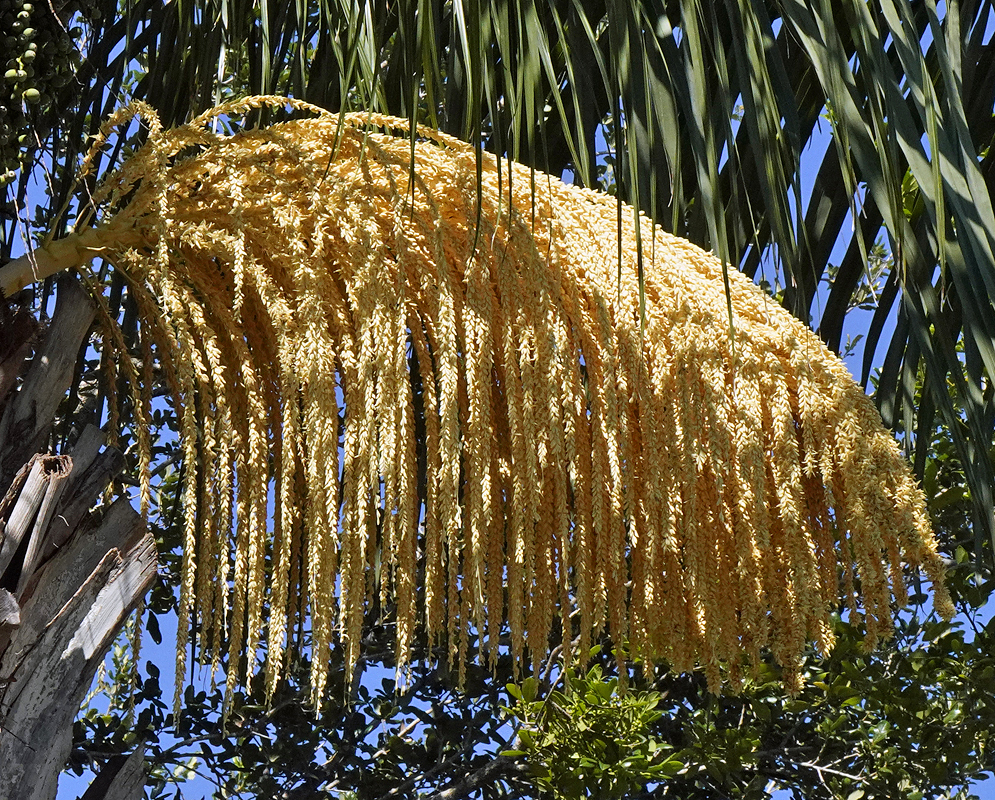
38	56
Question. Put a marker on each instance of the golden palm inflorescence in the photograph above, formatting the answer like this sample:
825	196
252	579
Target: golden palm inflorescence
405	391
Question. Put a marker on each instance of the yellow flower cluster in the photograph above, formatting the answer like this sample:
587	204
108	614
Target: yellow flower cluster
405	392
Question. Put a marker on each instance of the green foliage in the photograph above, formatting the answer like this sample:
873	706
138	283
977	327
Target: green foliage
591	739
39	57
398	736
880	262
913	721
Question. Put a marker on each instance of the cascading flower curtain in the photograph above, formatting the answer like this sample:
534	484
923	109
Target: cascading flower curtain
484	401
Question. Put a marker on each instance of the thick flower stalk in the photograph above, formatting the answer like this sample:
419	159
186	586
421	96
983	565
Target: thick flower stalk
400	387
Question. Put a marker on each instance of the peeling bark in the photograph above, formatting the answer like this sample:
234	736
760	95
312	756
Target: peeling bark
69	577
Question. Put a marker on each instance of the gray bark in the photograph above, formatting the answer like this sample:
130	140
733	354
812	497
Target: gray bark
27	418
46	689
69	577
122	779
19	329
489	773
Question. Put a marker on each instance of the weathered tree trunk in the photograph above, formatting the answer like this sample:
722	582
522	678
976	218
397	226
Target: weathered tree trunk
69	576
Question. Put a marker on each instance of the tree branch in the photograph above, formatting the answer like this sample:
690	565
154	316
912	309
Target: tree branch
490	772
72	251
